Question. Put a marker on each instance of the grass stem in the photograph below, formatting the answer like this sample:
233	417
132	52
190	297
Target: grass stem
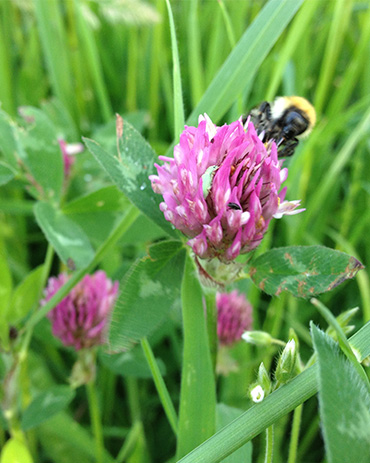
293	445
160	385
95	420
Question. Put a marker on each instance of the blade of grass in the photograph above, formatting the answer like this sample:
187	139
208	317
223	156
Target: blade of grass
262	415
243	62
132	71
350	79
217	38
331	176
92	62
228	25
6	86
53	40
195	55
155	71
177	89
339	23
198	393
237	108
160	385
298	29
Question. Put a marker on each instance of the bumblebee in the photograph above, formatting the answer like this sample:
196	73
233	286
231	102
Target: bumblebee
286	120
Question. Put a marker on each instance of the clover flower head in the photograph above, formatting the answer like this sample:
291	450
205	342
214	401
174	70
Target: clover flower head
81	318
234	316
221	188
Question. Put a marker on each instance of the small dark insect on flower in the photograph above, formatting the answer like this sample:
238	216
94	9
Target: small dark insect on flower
234	206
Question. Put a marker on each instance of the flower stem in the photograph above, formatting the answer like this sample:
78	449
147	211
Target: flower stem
130	442
269	444
95	420
293	446
160	385
133	398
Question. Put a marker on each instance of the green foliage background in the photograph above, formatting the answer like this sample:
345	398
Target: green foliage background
83	61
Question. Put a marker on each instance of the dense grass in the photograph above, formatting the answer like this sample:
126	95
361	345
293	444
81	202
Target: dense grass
82	62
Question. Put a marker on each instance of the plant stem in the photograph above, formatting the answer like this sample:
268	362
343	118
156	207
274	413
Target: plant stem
269	444
133	398
95	420
160	385
293	446
130	442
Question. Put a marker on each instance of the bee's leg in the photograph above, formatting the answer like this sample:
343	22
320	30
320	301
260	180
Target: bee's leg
265	108
287	149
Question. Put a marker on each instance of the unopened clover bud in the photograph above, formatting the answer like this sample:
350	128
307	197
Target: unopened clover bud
257	393
263	378
259	338
343	319
357	353
234	316
287	363
293	335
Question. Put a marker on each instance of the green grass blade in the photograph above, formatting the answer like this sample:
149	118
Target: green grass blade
270	410
243	62
160	385
53	40
195	55
93	63
132	67
198	393
177	89
6	85
228	25
299	27
351	76
332	175
156	71
339	23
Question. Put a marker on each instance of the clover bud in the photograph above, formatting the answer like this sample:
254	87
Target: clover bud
287	364
263	378
257	394
258	338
